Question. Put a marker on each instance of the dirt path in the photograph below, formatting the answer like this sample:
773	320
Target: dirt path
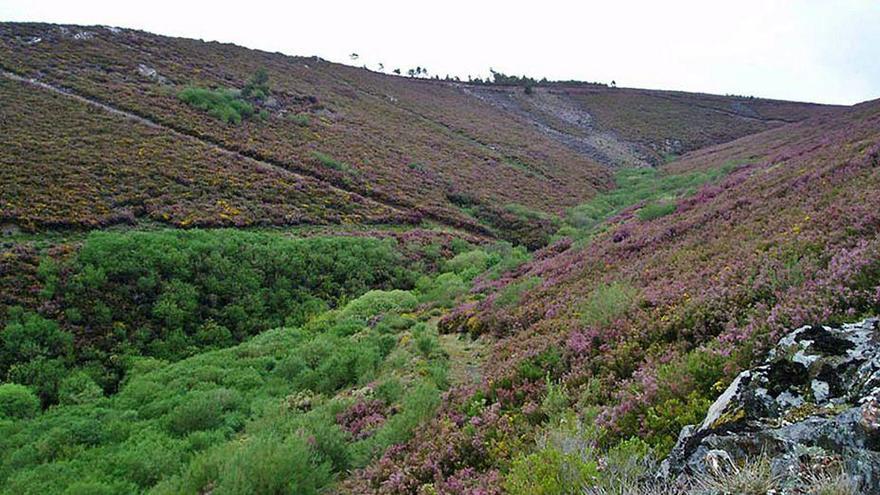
466	358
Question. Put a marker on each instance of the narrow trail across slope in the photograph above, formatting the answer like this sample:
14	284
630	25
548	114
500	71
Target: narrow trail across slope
248	157
466	358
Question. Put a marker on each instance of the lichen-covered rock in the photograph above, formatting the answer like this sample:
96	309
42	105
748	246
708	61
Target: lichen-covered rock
816	398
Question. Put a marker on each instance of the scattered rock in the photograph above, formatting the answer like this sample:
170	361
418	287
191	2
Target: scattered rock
815	399
83	35
151	73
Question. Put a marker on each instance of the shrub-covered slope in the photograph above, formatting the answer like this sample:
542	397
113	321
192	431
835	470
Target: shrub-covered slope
319	119
637	328
68	164
432	149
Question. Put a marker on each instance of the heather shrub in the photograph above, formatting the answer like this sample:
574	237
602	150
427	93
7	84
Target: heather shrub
17	402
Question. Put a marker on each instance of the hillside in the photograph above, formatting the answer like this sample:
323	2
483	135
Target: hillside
639	325
229	271
419	148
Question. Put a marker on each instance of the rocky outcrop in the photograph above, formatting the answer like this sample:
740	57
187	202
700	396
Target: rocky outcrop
815	400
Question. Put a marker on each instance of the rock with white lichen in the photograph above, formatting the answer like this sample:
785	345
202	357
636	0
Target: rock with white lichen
816	399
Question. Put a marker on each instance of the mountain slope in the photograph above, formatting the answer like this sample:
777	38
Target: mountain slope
639	326
436	150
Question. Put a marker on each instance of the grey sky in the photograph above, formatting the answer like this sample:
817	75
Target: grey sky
824	51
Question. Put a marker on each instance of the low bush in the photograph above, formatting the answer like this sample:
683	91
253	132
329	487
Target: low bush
655	210
607	303
512	293
223	104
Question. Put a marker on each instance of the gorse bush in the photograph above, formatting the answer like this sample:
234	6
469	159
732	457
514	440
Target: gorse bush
223	104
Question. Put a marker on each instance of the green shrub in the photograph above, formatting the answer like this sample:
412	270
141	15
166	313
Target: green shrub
42	375
543	365
18	402
223	104
148	456
468	264
636	185
269	463
28	336
257	86
330	162
78	388
512	294
549	471
665	420
170	293
607	303
377	302
441	291
503	258
300	119
656	210
418	405
197	412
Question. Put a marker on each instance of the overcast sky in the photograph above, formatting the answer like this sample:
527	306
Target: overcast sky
810	50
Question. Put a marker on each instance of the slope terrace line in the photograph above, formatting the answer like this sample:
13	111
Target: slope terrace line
248	156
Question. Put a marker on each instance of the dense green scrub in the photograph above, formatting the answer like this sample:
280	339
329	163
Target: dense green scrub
656	192
259	417
249	363
170	294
